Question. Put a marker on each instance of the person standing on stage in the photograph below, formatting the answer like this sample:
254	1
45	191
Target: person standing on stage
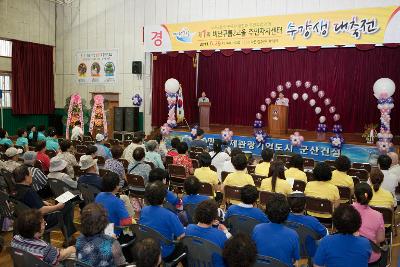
282	101
203	98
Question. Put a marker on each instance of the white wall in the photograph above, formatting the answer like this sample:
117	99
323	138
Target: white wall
100	24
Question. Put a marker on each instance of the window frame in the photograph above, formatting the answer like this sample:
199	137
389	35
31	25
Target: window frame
9	55
4	92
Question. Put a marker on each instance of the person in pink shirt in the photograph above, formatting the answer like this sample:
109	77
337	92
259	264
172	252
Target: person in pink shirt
372	226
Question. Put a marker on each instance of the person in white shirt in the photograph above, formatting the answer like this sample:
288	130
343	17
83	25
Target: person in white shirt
219	157
137	141
77	132
395	167
390	181
203	98
282	101
228	166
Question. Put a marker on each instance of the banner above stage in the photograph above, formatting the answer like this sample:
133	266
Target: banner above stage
96	66
346	27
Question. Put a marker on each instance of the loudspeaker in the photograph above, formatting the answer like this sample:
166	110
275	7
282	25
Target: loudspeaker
131	119
118	119
55	121
136	67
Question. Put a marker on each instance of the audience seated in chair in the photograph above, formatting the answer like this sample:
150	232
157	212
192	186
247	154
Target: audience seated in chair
204	173
22	141
296	169
12	154
340	176
30	226
30	198
239	251
102	150
192	187
322	188
138	166
183	159
148	253
346	247
152	155
115	165
372	224
161	175
137	141
93	247
161	148
240	177
90	177
394	167
248	196
42	156
228	165
58	169
4	140
52	141
32	134
263	167
275	239
91	151
39	179
198	141
219	157
381	197
174	146
162	220
276	182
65	154
208	227
390	181
297	203
41	133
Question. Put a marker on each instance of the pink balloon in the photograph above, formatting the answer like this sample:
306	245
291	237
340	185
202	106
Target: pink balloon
336	117
317	110
322	119
273	94
268	101
321	94
288	84
263	108
295	96
307	84
279	88
312	102
332	109
327	101
298	83
259	116
314	88
304	96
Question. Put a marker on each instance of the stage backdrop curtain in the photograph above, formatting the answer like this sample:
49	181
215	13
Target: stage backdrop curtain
33	79
181	68
237	85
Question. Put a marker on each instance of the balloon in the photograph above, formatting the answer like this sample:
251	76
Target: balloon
263	108
273	94
296	139
172	86
336	141
384	88
295	96
314	88
304	96
268	101
321	94
298	83
279	88
312	102
336	117
327	101
307	84
332	109
288	85
258	116
322	119
317	110
226	134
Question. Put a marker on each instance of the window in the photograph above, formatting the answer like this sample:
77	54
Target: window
5	86
5	48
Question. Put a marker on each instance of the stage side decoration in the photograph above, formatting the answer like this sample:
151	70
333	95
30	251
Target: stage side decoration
174	96
165	129
258	123
226	134
193	131
261	136
370	133
296	139
98	118
337	141
137	100
384	89
74	113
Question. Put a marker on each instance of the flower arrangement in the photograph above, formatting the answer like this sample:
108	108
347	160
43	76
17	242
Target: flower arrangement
370	133
98	117
75	113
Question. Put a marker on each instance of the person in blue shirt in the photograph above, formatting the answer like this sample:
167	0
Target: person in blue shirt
4	140
162	220
346	247
207	217
192	187
158	174
102	150
275	239
22	141
32	134
199	142
89	165
52	141
248	197
41	136
297	203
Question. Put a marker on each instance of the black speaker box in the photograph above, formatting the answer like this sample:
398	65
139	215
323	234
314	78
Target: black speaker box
131	119
55	121
137	67
118	119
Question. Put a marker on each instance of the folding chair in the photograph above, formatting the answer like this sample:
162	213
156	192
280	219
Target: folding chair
197	149
169	160
285	159
151	164
51	153
389	221
265	261
89	143
128	137
257	179
345	194
100	160
331	163
177	175
22	259
103	172
81	148
190	212
193	154
195	164
231	193
77	171
361	174
265	197
59	187
309	163
355	180
310	176
358	165
299	185
201	252
124	162
78	156
206	189
114	142
75	143
322	206
75	263
223	175
241	224
136	186
87	138
88	193
251	169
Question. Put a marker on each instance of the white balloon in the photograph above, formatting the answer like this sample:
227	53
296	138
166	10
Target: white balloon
317	110
172	86
384	88
312	102
273	94
263	108
295	96
298	83
327	101
322	119
268	101
279	88
314	88
304	96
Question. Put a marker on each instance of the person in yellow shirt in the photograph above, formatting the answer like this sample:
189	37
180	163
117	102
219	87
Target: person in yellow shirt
339	176
381	197
239	178
322	188
263	167
296	170
276	182
204	173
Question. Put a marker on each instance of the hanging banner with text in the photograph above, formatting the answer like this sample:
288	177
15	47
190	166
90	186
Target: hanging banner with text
96	66
346	27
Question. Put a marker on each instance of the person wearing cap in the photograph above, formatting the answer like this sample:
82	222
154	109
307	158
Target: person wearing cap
52	141
66	155
297	203
89	165
58	168
4	140
152	155
12	154
41	155
102	150
22	141
39	179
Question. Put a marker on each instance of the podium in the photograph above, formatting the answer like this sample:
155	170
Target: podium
204	113
278	119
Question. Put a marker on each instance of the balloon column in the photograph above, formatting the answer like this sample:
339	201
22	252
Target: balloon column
383	90
171	89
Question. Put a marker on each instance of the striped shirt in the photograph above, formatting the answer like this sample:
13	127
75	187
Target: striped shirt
39	179
38	248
